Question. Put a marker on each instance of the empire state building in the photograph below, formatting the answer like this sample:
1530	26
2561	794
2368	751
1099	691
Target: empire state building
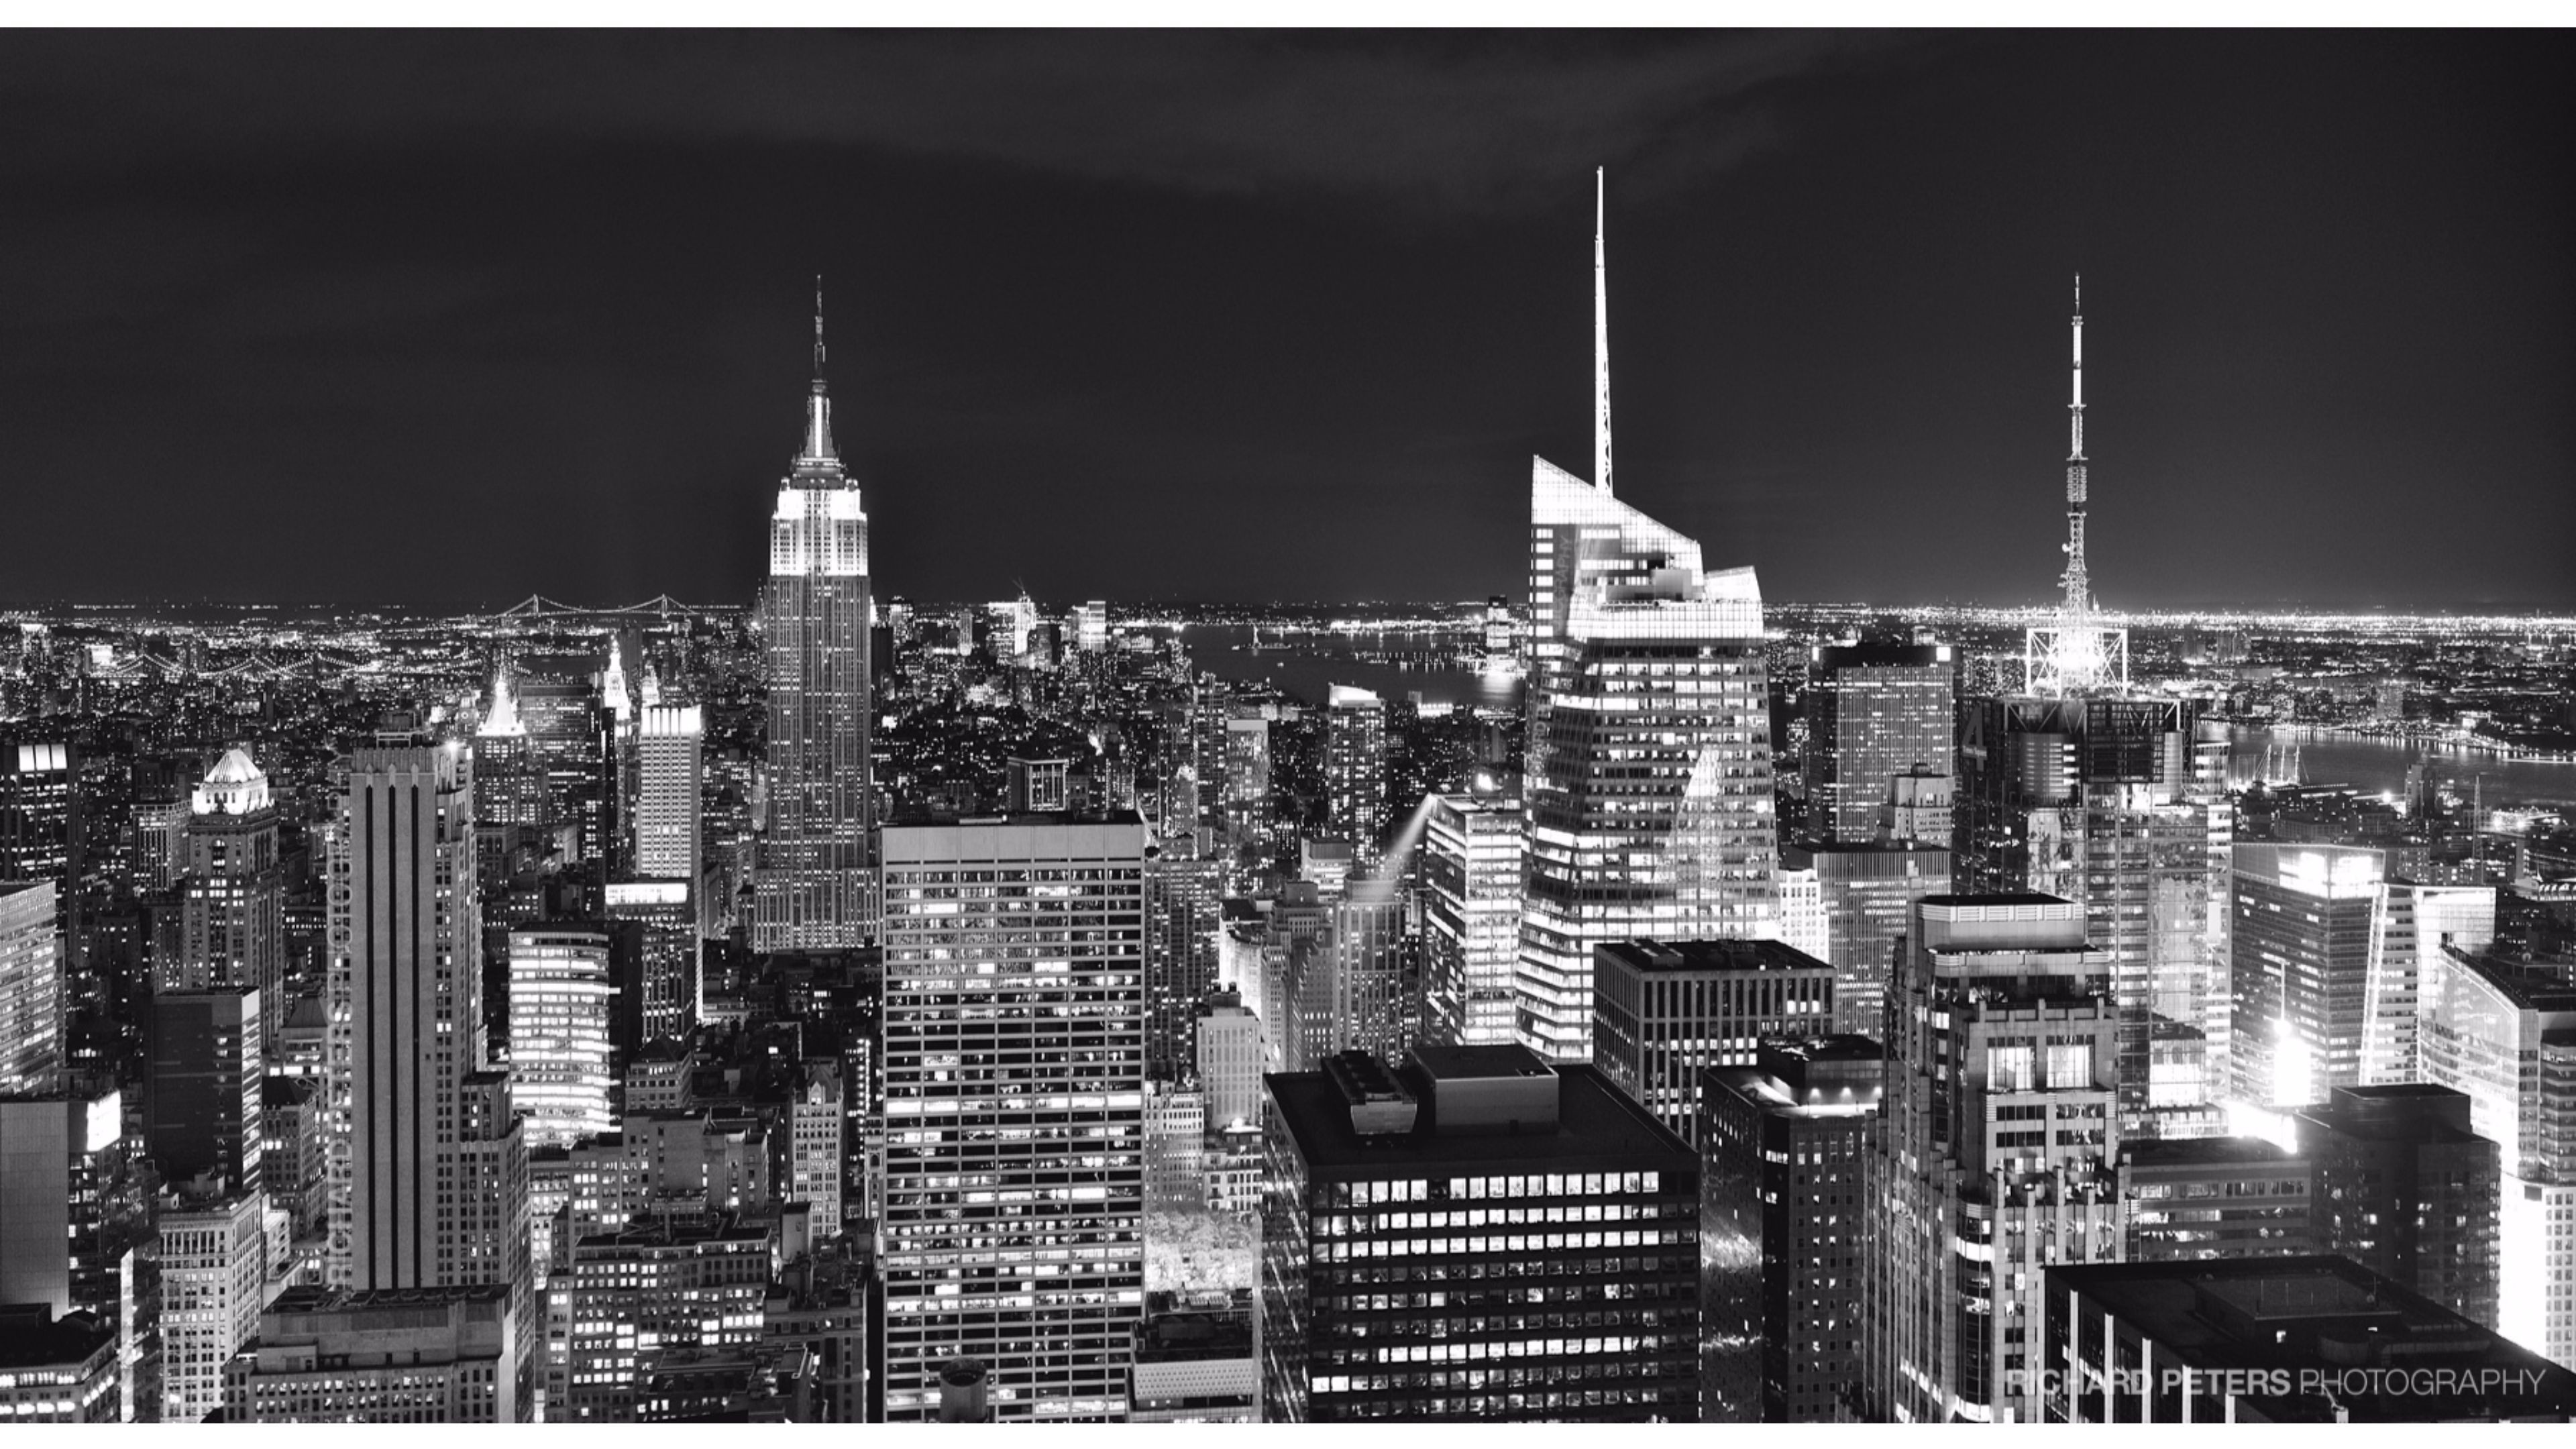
810	892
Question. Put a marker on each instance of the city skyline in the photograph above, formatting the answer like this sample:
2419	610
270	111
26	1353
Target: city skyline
1834	353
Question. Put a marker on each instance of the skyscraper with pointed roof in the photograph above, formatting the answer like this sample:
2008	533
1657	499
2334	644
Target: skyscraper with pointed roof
810	889
1649	757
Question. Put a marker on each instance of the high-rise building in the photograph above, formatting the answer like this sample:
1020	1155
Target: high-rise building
2508	1041
1867	892
2405	1188
214	1261
405	989
202	1088
2417	923
1091	626
562	1000
1432	1241
1238	768
1182	901
1649	748
2095	800
1783	1149
1471	875
233	901
817	1136
2304	919
1663	1011
669	984
1874	713
1346	990
41	821
31	989
1229	1060
1013	1034
670	783
1995	1165
811	889
1355	803
2307	1340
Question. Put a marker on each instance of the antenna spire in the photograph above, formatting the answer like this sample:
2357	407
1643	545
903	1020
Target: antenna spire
818	406
1600	334
2079	590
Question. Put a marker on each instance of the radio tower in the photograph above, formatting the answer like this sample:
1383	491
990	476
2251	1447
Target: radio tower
2074	655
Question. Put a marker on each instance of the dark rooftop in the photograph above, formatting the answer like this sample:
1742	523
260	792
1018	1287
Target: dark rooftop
1598	1130
1193	1334
32	1337
1724	954
2327	1313
2182	1152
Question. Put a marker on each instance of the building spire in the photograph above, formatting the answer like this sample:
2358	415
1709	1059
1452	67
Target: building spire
818	406
1600	335
2079	586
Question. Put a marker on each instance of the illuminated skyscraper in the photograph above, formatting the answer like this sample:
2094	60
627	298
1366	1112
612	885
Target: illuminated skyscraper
1355	768
31	990
1874	711
233	912
561	995
811	889
428	1164
1471	874
1182	899
1783	1147
2305	920
670	785
1997	1159
203	1085
1014	1050
1663	1011
2508	1041
1649	753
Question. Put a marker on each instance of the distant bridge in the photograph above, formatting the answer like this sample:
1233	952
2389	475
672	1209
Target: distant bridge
660	606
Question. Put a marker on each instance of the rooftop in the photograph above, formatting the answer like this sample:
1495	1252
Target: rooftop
1597	1130
1724	954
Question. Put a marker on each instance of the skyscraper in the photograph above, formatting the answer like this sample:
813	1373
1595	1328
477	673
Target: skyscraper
1182	897
1784	1146
1355	802
1664	1011
1995	1164
561	1005
2304	921
1471	875
1014	1052
203	1085
2508	1041
1649	751
1476	1236
1867	892
2405	1188
31	990
1874	712
233	911
428	1164
671	782
811	888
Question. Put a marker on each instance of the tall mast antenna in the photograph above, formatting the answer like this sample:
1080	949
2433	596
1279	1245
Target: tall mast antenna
1600	335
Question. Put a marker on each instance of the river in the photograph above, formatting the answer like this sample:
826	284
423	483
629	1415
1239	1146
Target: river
2378	766
1313	663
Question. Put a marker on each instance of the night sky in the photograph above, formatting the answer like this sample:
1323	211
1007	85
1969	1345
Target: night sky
458	317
